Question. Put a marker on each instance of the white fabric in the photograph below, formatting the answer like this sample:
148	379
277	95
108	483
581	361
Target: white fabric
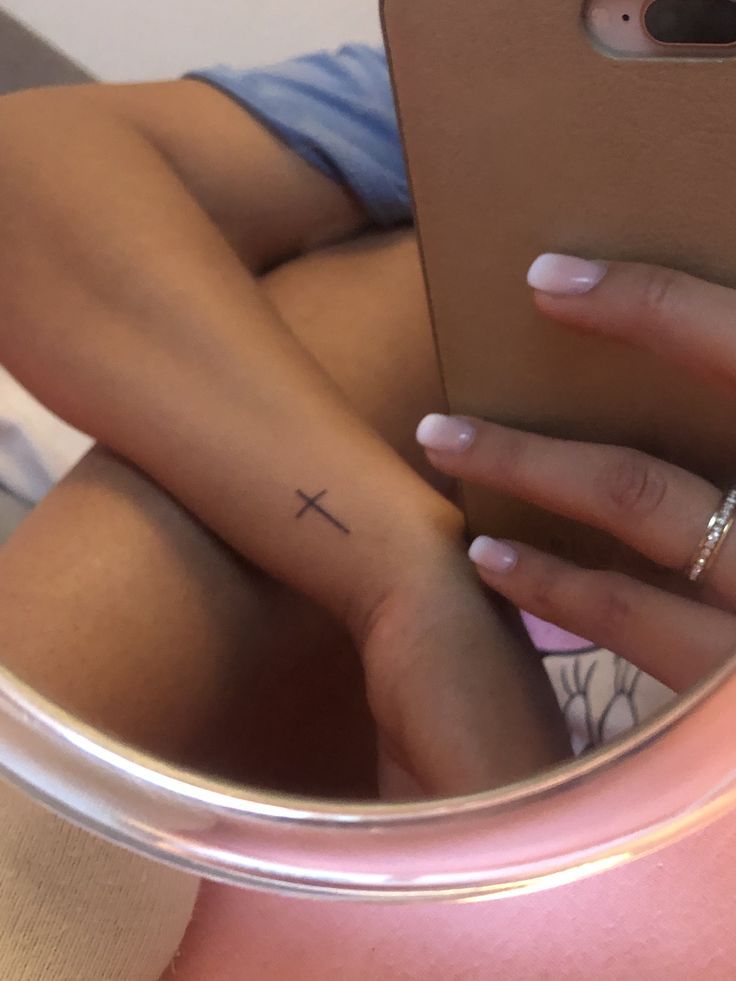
36	448
602	696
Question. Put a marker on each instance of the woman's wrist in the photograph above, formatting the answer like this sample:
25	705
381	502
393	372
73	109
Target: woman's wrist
434	537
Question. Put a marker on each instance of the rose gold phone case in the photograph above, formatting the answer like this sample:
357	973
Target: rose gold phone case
522	138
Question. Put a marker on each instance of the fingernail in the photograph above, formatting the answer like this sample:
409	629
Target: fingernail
445	433
565	275
493	555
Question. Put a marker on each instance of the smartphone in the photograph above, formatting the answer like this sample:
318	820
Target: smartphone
599	130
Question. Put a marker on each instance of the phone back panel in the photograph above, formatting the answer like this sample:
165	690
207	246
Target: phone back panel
522	138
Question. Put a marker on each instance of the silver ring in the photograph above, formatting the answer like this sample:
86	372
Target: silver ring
718	528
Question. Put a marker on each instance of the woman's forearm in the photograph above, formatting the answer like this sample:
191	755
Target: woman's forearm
124	309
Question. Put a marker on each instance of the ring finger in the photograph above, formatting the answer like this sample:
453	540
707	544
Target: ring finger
655	507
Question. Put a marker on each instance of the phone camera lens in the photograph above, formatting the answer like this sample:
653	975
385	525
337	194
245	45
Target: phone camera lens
692	21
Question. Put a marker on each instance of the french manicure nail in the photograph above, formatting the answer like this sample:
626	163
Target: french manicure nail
445	433
493	555
565	275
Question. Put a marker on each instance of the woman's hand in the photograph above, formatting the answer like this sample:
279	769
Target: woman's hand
460	700
657	508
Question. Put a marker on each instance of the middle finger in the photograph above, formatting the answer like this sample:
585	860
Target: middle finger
655	507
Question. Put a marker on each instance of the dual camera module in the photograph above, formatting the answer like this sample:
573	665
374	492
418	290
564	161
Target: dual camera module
709	22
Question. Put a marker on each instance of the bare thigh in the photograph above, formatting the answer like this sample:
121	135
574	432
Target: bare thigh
120	605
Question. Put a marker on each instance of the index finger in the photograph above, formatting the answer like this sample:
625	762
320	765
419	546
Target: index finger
682	318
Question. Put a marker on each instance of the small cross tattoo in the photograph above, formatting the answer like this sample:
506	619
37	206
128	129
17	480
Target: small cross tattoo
312	503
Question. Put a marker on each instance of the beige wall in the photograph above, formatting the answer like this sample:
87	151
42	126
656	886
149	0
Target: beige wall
144	39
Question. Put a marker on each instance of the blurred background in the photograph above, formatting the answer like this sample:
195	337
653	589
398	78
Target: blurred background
121	40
